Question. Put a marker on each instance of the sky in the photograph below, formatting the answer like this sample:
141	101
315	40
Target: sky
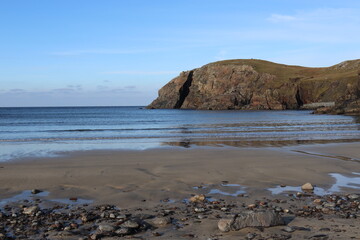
120	52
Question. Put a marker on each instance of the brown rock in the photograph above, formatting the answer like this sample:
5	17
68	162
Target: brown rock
198	198
257	84
307	187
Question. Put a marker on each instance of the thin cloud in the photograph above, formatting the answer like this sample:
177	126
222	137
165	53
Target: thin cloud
281	18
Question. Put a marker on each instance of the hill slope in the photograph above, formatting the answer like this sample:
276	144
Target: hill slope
258	84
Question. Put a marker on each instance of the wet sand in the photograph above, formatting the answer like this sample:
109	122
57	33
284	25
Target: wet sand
130	179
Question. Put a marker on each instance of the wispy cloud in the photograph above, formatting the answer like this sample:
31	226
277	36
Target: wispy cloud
281	18
142	72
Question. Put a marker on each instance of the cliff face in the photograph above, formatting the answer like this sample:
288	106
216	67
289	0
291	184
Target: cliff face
257	84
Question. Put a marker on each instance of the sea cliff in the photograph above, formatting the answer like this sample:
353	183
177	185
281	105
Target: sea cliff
261	85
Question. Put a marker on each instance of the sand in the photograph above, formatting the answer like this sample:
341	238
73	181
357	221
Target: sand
129	179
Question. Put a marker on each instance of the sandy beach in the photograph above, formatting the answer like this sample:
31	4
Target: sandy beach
151	178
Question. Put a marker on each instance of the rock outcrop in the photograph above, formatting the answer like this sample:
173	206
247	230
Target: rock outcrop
257	84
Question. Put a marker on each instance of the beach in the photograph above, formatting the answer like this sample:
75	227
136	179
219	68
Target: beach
166	178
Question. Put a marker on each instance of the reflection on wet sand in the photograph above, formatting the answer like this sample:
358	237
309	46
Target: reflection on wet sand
187	143
28	196
344	158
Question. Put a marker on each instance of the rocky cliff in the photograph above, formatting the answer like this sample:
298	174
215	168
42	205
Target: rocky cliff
258	84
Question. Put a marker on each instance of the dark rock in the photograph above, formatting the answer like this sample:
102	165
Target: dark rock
250	219
161	221
104	227
35	191
319	237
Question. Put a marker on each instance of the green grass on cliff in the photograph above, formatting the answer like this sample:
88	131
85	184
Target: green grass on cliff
346	71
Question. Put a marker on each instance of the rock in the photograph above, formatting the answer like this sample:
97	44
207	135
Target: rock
257	84
35	191
161	221
250	219
103	227
30	210
224	225
318	201
288	229
156	234
319	237
199	210
329	205
307	187
130	224
353	196
198	198
123	231
250	235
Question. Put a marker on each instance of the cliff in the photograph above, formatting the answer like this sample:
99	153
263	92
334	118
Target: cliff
258	84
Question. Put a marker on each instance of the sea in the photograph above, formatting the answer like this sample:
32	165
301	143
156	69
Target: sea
51	131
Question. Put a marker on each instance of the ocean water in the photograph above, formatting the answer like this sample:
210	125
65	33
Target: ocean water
33	132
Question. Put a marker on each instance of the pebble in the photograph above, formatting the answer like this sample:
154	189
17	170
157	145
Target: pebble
123	231
199	210
198	198
35	191
161	221
353	196
30	210
288	229
250	235
27	221
307	187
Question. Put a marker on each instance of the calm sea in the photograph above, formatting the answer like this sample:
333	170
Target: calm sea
30	132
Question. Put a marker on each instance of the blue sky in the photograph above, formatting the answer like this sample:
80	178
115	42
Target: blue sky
120	52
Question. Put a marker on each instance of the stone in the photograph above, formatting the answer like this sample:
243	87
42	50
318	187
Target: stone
307	187
123	231
329	205
161	221
318	201
250	235
30	210
198	198
130	224
103	227
199	210
288	229
244	219
224	225
35	191
353	196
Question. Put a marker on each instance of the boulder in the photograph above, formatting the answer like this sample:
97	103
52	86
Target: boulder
250	219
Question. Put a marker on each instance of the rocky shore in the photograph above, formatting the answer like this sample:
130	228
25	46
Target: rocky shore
240	193
300	215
